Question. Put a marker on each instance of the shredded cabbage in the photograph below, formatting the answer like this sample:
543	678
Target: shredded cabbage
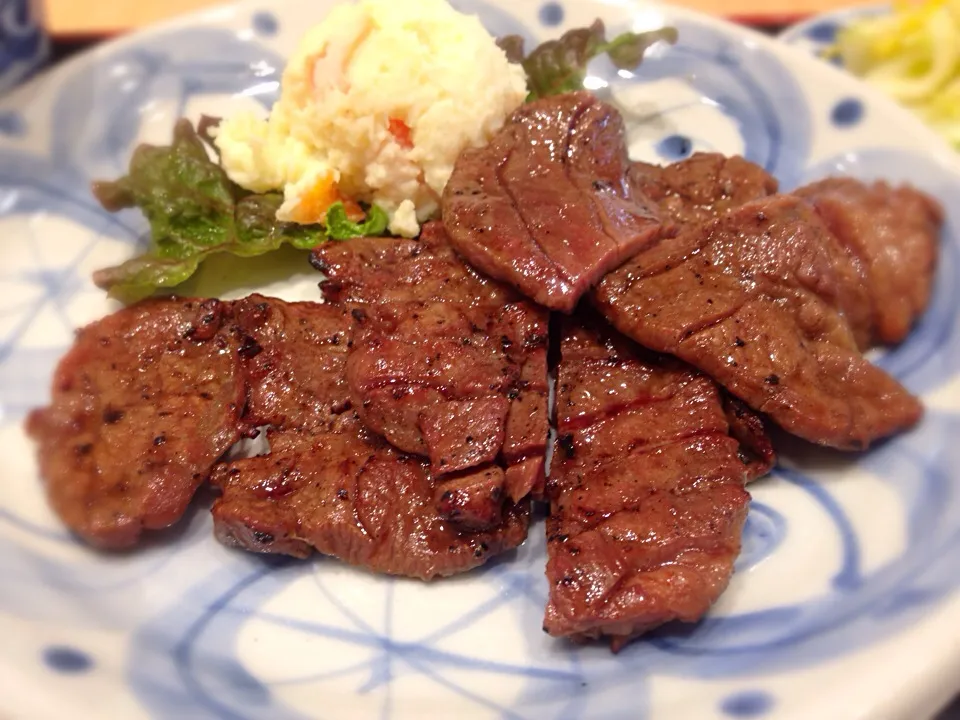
913	55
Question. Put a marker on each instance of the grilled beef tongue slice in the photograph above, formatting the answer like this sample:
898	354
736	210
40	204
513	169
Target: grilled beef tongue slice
546	205
328	483
294	357
444	363
894	233
758	299
347	493
891	232
700	187
143	405
647	497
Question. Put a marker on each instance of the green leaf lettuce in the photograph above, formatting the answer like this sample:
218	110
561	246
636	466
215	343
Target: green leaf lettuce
195	211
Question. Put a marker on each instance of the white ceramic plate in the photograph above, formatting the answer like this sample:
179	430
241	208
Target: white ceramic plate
847	593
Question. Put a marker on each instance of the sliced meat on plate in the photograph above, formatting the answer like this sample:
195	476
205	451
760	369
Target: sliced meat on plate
701	187
144	404
894	232
327	483
347	493
545	206
758	300
444	363
294	358
150	398
647	498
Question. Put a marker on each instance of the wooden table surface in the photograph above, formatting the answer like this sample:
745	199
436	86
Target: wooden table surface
79	18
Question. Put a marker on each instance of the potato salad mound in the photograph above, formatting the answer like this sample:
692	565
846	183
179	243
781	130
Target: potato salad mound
376	104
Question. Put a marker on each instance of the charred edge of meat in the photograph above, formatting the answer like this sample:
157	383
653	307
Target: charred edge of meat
472	500
249	348
210	320
331	290
320	265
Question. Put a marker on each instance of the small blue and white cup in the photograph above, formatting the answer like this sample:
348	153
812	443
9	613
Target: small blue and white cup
24	45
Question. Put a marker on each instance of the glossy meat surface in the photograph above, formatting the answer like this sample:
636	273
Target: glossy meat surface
328	484
545	206
143	405
445	363
294	359
759	300
894	233
646	490
702	187
346	493
151	397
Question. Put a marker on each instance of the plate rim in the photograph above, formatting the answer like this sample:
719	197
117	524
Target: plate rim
796	31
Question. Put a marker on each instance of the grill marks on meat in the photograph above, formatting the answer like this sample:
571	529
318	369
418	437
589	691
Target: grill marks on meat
407	417
646	490
891	232
143	405
347	493
447	364
758	300
412	366
328	483
294	355
894	234
702	187
545	206
149	399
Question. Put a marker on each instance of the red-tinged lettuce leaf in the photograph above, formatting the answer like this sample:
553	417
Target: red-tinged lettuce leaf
195	211
138	278
559	66
254	229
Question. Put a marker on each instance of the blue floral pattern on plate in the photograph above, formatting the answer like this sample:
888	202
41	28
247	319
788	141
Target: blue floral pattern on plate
840	554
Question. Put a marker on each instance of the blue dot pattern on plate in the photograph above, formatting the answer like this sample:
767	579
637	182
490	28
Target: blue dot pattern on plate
66	659
847	112
825	32
674	147
265	23
749	704
12	124
551	14
752	88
